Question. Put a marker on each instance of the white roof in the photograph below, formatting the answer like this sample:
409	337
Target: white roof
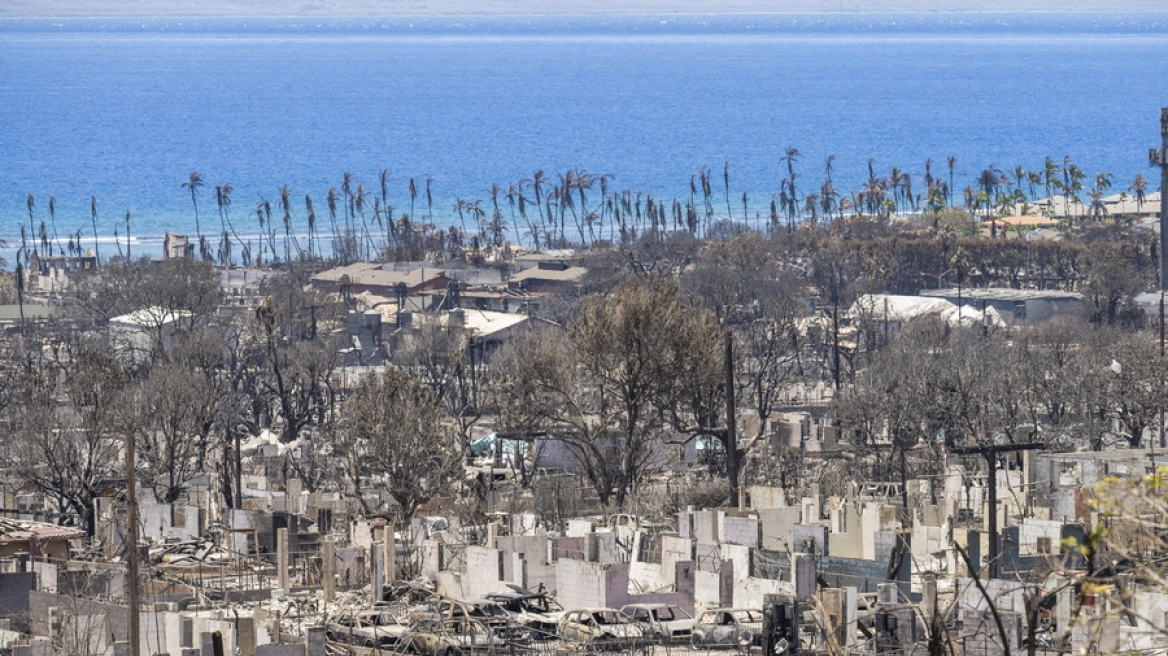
890	307
484	323
151	316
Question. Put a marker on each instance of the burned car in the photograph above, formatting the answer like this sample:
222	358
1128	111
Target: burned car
601	628
535	610
452	637
727	627
375	627
661	621
487	611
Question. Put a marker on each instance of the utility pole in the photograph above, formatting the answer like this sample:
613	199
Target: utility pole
1160	158
731	425
132	542
990	453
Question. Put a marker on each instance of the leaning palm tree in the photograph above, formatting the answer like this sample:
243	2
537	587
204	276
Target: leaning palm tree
331	199
93	217
192	185
223	201
53	223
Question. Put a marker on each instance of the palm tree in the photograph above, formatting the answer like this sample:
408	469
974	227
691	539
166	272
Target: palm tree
828	199
726	188
289	236
311	222
30	203
1138	187
790	156
496	216
952	186
129	257
1033	178
1103	181
1020	175
988	181
331	199
1073	183
359	202
53	223
260	218
413	195
383	178
223	201
429	199
192	185
347	188
93	217
1098	209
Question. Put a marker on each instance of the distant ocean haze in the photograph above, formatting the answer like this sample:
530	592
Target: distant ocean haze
126	110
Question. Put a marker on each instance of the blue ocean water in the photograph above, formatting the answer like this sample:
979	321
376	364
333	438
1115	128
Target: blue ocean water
125	110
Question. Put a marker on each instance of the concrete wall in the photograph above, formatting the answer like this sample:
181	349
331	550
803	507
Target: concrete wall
581	584
584	584
534	550
741	530
482	575
777	527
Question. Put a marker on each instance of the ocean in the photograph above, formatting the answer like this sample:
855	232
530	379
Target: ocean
125	110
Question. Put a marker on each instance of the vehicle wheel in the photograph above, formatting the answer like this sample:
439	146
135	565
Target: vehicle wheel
369	643
695	641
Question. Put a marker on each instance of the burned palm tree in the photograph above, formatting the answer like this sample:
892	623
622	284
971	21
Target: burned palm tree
223	201
93	218
952	161
359	202
429	198
192	185
311	223
413	195
383	178
30	203
259	212
129	255
331	200
53	223
289	233
1139	187
347	189
726	188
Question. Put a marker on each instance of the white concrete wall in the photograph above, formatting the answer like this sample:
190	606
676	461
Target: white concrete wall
707	590
580	584
482	572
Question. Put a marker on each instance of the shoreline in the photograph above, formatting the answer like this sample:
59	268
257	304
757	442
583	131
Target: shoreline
181	16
